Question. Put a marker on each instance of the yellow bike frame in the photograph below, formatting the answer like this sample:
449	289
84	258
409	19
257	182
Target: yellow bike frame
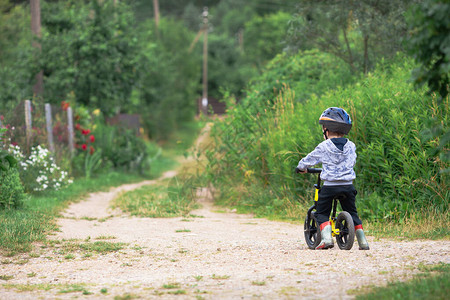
334	230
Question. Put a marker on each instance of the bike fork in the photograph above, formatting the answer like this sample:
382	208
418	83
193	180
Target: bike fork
334	230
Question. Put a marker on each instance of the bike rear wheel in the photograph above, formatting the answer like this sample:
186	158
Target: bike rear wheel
346	236
311	230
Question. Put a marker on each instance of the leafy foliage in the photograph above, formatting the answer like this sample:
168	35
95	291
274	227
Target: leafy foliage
118	146
38	171
16	63
358	32
91	51
258	31
257	149
170	79
11	189
307	72
429	44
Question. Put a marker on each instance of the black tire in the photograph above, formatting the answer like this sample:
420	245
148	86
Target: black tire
311	230
346	237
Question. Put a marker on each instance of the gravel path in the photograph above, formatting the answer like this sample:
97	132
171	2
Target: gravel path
211	255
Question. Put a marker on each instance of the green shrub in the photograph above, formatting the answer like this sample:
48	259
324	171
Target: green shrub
260	143
39	171
307	73
121	147
11	189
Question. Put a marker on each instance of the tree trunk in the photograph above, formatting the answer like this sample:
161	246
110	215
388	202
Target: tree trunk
350	54
366	54
156	9
35	7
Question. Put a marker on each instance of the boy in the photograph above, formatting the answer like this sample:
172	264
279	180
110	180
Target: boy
338	157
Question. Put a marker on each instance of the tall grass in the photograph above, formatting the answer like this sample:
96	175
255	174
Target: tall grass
257	149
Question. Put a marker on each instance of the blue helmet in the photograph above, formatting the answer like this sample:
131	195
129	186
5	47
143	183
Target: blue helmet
336	119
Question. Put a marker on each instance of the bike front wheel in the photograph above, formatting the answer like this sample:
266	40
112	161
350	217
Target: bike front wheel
346	236
311	230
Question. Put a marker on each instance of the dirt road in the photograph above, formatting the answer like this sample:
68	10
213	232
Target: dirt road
101	253
211	255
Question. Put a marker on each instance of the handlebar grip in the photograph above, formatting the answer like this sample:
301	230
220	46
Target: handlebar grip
314	170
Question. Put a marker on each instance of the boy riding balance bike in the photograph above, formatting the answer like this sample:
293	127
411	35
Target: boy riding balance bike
338	157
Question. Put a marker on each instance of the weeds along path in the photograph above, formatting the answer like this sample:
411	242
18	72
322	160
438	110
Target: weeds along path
103	254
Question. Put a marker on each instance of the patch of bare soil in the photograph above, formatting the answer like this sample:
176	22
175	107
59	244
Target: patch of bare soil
210	255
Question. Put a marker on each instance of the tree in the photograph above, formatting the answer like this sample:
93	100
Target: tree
429	43
91	53
264	37
358	32
170	77
17	68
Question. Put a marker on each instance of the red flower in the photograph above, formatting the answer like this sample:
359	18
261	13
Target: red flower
65	105
85	131
77	126
91	150
92	138
84	146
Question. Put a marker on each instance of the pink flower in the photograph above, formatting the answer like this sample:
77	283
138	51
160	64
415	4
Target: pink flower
92	138
84	146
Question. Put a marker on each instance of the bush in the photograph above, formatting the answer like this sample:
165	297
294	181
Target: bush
260	148
121	147
11	189
39	171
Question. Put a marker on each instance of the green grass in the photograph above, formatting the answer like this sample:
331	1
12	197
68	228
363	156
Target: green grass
20	228
73	288
29	287
433	284
164	200
173	285
99	247
102	247
32	223
181	140
421	224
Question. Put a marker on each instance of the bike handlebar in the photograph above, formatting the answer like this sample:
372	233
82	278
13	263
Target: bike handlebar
313	170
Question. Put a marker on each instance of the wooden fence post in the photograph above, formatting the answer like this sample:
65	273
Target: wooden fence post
48	120
70	131
28	124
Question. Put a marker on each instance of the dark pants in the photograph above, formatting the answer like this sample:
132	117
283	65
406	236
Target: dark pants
325	202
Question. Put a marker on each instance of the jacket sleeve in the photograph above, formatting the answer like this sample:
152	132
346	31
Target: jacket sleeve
311	159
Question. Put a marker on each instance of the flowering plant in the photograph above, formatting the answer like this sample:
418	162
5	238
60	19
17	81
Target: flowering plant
39	171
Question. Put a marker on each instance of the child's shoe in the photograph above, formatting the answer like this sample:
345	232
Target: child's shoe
361	237
325	234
